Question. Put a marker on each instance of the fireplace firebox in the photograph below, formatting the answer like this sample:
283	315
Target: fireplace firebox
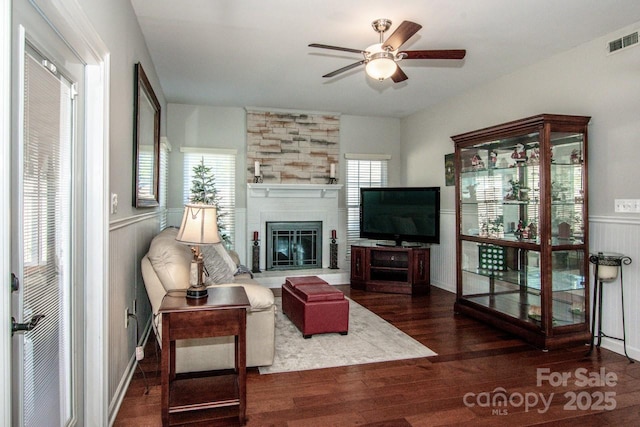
294	245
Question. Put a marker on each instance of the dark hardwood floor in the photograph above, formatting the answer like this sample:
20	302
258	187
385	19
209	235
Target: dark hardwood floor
481	376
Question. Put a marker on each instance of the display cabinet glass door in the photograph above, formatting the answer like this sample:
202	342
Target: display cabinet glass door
568	287
508	280
567	189
503	278
500	196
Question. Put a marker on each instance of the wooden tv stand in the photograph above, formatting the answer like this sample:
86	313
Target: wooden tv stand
400	270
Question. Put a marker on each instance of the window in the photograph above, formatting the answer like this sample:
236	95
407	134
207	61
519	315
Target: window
223	165
362	171
165	149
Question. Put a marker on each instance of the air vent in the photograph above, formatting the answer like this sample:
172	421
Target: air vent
623	42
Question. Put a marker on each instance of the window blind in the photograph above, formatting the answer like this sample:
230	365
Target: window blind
361	174
164	182
46	275
223	167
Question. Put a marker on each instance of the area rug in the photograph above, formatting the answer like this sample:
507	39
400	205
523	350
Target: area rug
370	339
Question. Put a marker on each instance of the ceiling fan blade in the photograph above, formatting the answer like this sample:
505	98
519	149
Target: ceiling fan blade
343	69
434	54
399	76
401	35
344	49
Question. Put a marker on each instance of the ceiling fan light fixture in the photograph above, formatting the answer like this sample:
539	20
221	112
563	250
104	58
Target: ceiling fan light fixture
381	59
381	65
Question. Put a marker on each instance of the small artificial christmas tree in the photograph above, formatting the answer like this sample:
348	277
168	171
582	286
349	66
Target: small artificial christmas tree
203	190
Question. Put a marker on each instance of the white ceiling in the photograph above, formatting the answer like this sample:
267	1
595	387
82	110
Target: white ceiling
254	52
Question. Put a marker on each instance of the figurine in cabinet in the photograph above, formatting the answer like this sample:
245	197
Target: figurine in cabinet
493	159
519	233
564	230
575	157
514	192
476	162
534	156
519	154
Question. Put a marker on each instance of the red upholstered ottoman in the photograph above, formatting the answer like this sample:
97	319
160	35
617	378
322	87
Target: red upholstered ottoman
314	306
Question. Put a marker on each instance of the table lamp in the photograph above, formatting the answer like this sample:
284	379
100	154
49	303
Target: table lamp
199	227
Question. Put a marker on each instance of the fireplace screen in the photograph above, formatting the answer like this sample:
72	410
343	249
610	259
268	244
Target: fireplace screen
294	245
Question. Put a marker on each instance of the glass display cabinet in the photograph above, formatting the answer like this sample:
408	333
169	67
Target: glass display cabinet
522	228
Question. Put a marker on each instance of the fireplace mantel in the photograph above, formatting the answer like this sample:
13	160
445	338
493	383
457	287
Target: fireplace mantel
292	202
294	190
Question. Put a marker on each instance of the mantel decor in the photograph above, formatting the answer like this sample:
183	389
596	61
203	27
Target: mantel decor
146	137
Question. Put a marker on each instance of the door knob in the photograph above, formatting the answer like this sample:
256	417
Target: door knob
21	327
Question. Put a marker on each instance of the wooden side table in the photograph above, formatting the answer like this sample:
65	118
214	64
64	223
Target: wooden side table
223	313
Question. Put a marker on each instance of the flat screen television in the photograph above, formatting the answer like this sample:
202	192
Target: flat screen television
401	214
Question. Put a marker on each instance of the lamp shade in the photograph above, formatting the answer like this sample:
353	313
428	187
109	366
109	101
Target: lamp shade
381	64
199	225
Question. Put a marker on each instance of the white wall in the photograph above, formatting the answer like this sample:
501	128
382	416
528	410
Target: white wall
118	26
371	135
205	127
581	81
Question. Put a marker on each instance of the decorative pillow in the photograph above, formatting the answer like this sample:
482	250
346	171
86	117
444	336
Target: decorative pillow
219	266
234	256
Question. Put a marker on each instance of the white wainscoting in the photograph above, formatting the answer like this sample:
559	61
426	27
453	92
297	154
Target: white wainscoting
443	256
129	240
622	235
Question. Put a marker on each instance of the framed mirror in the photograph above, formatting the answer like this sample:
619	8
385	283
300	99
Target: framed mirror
146	137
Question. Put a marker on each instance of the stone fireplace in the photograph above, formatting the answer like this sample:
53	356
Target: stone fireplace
294	203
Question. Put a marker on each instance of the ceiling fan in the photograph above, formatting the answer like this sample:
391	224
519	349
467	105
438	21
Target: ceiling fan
382	59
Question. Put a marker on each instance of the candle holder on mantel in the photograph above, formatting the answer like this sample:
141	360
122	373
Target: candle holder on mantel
255	254
257	175
332	174
608	266
333	251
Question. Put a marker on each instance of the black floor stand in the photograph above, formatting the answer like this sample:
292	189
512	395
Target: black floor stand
616	260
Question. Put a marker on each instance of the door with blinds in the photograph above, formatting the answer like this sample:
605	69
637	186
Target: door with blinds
45	160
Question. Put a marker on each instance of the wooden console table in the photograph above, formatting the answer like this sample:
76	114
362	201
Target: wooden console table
223	313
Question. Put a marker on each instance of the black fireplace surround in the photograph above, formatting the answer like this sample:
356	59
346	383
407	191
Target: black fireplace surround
294	245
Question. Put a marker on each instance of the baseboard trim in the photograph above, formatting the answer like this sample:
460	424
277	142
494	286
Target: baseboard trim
122	388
